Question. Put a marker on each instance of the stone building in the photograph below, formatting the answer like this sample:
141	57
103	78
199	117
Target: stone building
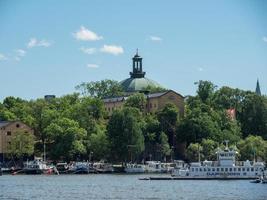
7	130
139	83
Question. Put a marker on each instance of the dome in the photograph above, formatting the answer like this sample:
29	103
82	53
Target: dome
138	84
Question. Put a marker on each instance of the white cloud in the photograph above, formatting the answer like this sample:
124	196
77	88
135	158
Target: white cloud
2	57
88	50
35	43
112	49
155	38
92	66
20	52
264	39
86	35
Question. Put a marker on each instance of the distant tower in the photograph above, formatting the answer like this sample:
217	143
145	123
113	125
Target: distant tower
258	90
137	67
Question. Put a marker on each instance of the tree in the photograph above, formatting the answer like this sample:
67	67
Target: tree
253	117
101	89
125	134
253	145
193	151
205	90
98	145
137	100
21	144
67	139
168	118
209	148
164	145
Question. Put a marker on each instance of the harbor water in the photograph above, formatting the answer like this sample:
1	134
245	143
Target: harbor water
114	186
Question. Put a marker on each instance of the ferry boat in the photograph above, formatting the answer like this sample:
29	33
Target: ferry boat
225	167
37	166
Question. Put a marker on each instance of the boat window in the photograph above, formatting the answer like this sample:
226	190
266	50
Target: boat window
193	169
196	169
230	169
221	169
204	169
213	169
218	169
252	169
239	169
256	169
200	169
226	169
209	169
234	169
243	169
247	169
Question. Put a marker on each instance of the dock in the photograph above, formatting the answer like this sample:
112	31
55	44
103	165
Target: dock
154	178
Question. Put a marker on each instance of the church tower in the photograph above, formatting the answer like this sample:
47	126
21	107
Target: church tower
258	90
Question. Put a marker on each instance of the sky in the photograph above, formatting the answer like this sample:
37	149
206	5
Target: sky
49	47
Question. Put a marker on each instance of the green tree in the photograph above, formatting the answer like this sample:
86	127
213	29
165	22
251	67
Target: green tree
168	118
209	148
101	89
193	151
164	145
67	139
125	134
205	90
21	144
137	100
98	145
253	145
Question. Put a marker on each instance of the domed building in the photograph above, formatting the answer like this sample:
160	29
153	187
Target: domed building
137	81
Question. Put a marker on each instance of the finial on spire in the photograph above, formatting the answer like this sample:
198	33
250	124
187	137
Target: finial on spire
137	51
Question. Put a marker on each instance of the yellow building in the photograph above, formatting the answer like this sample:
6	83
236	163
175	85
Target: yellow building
7	130
155	102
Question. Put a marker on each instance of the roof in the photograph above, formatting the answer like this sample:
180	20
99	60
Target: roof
138	84
5	123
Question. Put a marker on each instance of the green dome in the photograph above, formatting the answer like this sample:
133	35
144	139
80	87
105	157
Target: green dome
138	84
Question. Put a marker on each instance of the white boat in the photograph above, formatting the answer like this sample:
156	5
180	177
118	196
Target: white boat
103	167
134	168
153	167
225	167
79	168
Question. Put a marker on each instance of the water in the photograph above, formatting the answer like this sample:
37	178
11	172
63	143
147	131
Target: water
100	186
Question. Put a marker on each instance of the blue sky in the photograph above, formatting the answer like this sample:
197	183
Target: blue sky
49	47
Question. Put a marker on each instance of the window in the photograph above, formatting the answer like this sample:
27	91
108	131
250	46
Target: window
200	169
8	133
221	169
252	169
247	169
226	169
196	169
192	169
17	125
218	169
209	169
204	169
243	169
230	169
213	169
234	169
239	169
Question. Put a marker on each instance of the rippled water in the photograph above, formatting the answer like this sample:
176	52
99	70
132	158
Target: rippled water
113	186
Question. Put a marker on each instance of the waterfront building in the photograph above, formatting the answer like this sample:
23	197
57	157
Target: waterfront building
138	83
7	130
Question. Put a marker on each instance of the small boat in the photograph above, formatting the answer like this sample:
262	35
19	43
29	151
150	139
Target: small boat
258	180
153	167
62	167
79	168
37	166
103	167
134	168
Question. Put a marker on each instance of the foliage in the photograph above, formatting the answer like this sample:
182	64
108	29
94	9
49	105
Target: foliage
137	100
67	139
21	144
253	145
125	134
101	89
193	151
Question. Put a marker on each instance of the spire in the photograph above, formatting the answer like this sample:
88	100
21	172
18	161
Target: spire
137	67
258	90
